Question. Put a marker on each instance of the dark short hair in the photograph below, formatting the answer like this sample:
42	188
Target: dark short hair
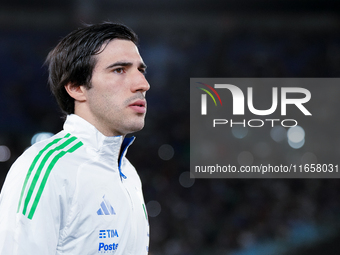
73	59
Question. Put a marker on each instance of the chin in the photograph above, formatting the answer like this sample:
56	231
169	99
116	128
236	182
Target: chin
135	128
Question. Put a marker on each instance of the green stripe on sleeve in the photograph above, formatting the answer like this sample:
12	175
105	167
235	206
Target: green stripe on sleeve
41	166
48	171
32	167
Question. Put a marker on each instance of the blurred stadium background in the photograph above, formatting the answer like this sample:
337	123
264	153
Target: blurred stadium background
179	40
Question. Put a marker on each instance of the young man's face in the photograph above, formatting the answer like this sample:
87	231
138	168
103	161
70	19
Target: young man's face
116	102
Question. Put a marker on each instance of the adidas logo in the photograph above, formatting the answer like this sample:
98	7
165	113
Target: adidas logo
106	208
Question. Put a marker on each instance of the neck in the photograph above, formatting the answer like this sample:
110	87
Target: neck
86	115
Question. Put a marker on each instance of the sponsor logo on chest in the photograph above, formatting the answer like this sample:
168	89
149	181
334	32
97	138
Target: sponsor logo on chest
109	245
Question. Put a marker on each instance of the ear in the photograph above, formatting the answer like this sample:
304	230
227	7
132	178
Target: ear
76	92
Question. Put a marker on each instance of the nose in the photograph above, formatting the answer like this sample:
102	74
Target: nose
140	83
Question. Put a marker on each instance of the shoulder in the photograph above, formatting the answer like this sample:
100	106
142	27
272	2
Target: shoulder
51	156
49	151
46	170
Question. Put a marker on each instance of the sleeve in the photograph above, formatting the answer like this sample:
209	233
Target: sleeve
29	210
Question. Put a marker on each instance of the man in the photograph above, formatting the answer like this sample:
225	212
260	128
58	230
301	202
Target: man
76	193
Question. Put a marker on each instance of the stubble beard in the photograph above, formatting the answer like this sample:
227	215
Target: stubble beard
119	123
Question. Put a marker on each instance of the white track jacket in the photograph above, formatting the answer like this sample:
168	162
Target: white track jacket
74	194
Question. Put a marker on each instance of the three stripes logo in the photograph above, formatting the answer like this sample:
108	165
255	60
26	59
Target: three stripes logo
204	97
106	208
40	170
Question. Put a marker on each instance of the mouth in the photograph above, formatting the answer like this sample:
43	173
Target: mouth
139	106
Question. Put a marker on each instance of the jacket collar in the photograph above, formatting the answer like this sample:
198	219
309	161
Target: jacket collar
94	139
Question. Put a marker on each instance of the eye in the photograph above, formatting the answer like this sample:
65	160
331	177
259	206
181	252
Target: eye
119	70
142	70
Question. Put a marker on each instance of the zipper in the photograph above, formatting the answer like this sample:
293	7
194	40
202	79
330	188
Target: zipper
132	221
126	143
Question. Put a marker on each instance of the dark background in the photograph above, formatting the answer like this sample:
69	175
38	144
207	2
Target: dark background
179	40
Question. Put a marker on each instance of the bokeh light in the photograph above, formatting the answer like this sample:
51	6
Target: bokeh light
166	152
186	179
296	145
278	133
5	153
309	158
38	137
154	208
296	137
239	131
296	134
245	158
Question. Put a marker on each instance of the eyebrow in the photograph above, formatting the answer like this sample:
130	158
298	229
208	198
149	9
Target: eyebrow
141	65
